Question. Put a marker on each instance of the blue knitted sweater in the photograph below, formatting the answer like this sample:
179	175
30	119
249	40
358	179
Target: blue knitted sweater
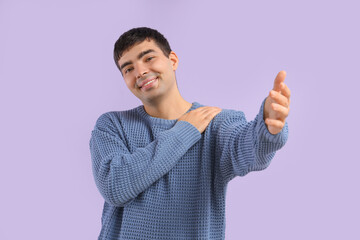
162	179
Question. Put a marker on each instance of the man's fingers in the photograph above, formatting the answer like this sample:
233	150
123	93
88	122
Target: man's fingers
212	109
204	109
205	112
212	112
281	111
279	98
280	77
285	90
277	104
278	124
200	109
200	117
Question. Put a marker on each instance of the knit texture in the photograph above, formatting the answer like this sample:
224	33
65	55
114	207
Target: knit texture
162	179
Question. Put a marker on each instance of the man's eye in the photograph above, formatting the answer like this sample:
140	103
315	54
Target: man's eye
149	58
129	69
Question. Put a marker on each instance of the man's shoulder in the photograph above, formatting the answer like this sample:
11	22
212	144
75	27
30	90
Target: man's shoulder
225	118
225	113
229	116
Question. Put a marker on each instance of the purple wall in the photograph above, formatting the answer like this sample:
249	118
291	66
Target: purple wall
57	76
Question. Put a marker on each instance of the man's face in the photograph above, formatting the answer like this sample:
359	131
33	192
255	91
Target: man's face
147	72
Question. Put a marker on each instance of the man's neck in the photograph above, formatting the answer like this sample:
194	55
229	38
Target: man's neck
170	108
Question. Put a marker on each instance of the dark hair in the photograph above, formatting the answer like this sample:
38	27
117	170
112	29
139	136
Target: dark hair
138	35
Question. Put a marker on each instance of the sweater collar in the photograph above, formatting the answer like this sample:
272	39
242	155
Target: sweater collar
162	121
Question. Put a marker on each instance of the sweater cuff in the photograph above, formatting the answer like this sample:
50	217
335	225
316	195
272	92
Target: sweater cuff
263	131
187	133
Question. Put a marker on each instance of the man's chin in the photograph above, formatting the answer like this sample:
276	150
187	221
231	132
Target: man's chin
152	98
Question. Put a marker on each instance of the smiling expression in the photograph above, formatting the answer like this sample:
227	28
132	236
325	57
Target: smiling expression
147	72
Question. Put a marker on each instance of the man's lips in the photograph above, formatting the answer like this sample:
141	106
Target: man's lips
146	81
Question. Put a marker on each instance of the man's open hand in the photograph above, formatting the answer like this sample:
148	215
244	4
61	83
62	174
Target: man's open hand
200	117
277	105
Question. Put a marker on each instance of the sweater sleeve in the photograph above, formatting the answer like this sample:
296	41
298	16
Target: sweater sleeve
247	146
120	175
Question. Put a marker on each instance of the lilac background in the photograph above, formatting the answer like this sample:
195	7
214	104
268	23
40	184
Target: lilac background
57	76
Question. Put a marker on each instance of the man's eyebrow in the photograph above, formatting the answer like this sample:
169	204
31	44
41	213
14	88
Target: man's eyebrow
138	57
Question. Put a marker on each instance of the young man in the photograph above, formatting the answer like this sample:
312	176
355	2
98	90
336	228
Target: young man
163	167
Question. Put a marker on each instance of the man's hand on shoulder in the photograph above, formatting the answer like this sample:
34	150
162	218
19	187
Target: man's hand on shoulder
277	105
200	117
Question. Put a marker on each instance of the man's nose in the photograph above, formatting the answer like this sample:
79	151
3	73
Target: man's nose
140	70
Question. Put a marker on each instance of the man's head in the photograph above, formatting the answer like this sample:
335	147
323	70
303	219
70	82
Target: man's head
147	64
137	35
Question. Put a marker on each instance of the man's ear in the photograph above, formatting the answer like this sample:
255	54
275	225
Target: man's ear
174	60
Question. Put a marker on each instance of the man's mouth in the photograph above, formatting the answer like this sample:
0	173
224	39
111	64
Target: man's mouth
147	82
